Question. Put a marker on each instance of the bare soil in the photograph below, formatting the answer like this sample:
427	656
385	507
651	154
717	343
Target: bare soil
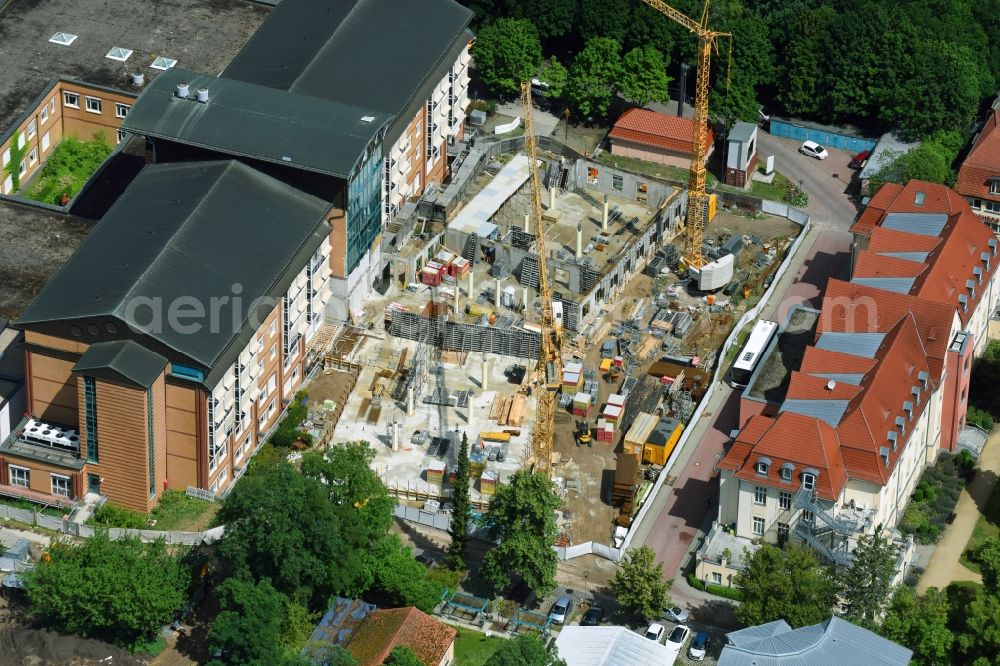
23	644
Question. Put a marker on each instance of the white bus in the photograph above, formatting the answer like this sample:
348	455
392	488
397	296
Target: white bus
752	353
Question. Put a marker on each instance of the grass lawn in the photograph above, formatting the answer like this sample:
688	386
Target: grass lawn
67	169
180	513
473	648
31	506
987	526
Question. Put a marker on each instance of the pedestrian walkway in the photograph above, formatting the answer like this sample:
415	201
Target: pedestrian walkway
944	566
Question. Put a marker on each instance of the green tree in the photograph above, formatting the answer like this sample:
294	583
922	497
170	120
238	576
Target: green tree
361	501
324	653
803	66
919	622
594	76
979	640
525	650
638	584
17	153
930	161
644	77
461	509
118	591
988	557
554	18
394	578
784	583
249	623
605	18
521	516
402	656
282	525
555	76
868	583
506	53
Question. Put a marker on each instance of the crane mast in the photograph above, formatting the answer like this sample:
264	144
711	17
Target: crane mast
548	372
697	197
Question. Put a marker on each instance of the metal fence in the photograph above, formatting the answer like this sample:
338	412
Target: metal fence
826	137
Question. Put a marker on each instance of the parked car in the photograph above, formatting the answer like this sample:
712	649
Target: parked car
699	646
425	559
676	614
768	279
813	149
560	609
655	632
592	617
679	635
859	161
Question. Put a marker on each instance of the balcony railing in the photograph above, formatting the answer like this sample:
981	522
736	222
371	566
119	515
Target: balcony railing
844	525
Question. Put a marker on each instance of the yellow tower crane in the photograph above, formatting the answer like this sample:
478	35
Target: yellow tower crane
697	198
548	372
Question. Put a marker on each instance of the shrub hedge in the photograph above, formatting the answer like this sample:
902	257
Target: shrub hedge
935	497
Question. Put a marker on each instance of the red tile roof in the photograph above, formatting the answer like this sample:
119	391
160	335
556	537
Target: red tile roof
805	386
893	198
982	163
657	130
872	265
383	630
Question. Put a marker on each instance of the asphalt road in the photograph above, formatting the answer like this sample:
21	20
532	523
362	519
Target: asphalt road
682	510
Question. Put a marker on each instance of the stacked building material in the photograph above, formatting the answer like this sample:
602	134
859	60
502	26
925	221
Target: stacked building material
605	431
508	410
432	273
459	267
581	404
435	473
615	407
488	483
626	481
572	375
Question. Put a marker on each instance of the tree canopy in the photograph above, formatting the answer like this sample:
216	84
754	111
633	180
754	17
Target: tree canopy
525	650
249	623
121	591
461	509
638	584
506	53
644	77
868	582
403	656
594	76
785	583
522	516
919	622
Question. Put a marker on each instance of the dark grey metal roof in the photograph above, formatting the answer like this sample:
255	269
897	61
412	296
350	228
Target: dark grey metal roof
908	256
834	642
843	377
742	132
924	224
756	633
381	54
855	344
125	358
185	235
900	285
248	120
830	411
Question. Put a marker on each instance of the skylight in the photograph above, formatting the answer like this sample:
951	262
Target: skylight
163	63
367	119
119	54
63	38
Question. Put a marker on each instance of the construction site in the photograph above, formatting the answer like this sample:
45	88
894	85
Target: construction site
458	336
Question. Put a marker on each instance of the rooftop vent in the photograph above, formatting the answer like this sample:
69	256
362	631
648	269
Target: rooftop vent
119	54
367	119
183	90
908	408
923	377
62	38
978	272
163	64
203	95
138	79
884	455
918	198
830	385
963	300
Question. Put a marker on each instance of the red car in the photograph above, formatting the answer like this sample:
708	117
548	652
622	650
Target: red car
859	160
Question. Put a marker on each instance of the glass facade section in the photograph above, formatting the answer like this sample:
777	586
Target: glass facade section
90	417
364	205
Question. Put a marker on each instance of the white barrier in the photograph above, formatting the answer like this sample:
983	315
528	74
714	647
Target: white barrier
509	127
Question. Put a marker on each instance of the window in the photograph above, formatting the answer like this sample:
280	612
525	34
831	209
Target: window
995	187
45	142
122	135
52	105
94	104
272	407
71	99
274	350
121	110
808	481
992	206
20	141
617	182
784	501
261	419
786	472
8	184
44	115
33	157
163	64
716	578
223	476
272	383
418	130
271	329
60	485
808	516
260	342
241	449
760	495
762	468
90	417
295	374
782	532
32	130
758	526
22	168
6	157
20	476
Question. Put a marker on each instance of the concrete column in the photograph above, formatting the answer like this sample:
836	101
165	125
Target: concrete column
527	223
471	401
394	436
579	242
410	401
525	301
496	297
552	198
484	381
470	296
604	217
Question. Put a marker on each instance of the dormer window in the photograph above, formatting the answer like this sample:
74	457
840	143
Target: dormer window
808	480
884	455
994	186
923	376
786	471
763	465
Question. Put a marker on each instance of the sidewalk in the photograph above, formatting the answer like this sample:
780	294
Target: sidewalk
944	566
9	536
